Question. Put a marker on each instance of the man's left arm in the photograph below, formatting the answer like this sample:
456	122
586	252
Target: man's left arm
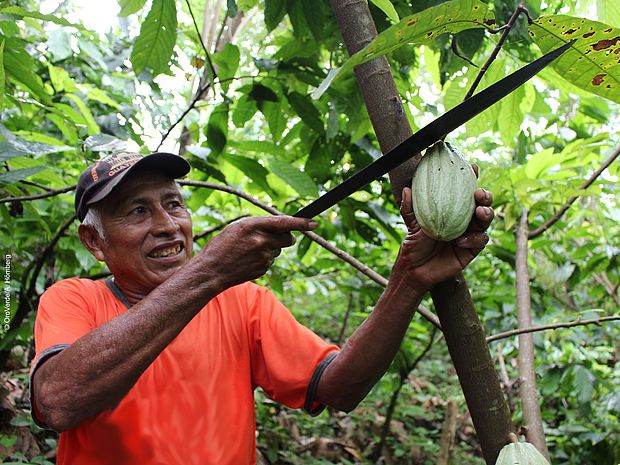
421	263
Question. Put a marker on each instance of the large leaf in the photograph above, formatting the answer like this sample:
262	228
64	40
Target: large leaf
16	12
252	169
153	47
129	7
21	67
11	177
592	63
217	128
227	62
306	110
295	178
420	28
20	148
274	12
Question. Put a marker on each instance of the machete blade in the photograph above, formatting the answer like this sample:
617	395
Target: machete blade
430	133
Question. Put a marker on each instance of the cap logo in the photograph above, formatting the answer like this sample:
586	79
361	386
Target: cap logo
120	161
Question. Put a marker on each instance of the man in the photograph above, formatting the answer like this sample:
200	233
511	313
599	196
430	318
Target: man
158	365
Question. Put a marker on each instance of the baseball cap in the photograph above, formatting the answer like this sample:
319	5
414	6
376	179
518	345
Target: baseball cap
99	179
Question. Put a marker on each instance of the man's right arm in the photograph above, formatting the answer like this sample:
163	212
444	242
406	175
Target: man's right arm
95	372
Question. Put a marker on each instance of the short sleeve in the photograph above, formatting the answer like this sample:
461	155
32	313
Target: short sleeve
284	353
63	317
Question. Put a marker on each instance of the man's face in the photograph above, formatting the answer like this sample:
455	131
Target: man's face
148	232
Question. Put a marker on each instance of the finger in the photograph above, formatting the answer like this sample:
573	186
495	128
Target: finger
285	223
483	197
475	241
476	170
406	207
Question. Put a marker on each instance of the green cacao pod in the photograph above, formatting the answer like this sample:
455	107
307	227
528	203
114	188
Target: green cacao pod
520	453
443	188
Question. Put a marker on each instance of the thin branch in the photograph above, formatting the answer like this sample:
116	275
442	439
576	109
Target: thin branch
49	193
355	263
213	74
551	221
36	184
505	30
216	228
345	320
612	290
568	324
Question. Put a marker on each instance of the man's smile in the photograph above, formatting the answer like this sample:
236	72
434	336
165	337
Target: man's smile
167	250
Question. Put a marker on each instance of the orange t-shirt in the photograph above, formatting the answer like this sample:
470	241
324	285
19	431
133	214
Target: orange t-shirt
195	403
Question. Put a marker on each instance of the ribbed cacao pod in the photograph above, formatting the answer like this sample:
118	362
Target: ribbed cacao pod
520	453
443	188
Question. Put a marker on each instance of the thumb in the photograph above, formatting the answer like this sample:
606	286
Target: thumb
406	207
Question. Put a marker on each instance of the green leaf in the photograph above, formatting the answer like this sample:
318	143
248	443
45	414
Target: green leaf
303	247
23	13
11	177
61	80
420	28
217	128
232	8
91	124
590	63
153	47
227	62
274	13
316	14
388	8
308	113
583	383
276	119
252	169
243	111
21	67
129	7
20	148
296	14
608	11
510	117
295	178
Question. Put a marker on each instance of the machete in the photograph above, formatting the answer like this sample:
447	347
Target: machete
430	133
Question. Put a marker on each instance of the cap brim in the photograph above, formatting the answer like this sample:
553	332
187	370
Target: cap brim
168	164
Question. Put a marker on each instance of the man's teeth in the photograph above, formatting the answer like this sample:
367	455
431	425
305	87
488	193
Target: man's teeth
167	252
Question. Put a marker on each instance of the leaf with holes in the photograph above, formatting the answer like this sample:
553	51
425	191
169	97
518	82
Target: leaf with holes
593	62
423	27
153	47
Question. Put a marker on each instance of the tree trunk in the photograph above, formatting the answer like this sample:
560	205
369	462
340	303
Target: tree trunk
462	329
532	420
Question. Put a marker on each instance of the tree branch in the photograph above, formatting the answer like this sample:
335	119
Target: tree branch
211	68
341	254
216	228
551	221
505	30
566	324
532	418
49	193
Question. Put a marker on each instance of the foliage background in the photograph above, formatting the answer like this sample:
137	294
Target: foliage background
69	95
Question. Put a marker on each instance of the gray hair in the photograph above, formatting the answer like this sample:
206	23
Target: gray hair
93	219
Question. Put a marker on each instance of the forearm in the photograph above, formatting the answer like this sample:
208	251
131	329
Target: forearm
367	354
96	372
